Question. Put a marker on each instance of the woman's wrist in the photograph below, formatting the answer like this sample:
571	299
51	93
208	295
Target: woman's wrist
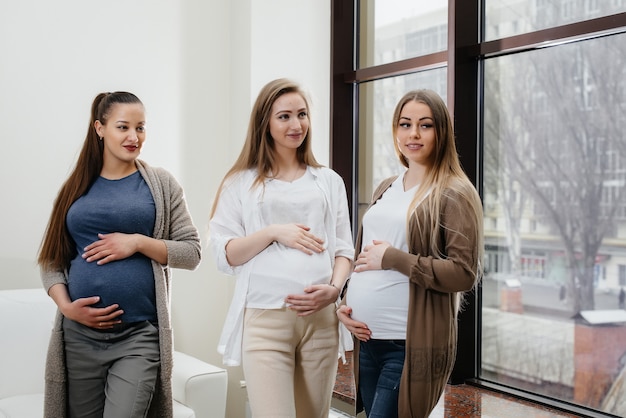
337	299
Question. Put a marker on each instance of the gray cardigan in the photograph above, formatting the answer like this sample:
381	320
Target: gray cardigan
175	227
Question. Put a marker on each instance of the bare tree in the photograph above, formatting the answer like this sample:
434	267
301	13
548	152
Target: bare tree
560	136
497	175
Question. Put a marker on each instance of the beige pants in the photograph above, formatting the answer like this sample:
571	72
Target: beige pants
290	362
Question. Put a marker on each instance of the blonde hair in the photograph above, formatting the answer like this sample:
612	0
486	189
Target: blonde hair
444	175
258	151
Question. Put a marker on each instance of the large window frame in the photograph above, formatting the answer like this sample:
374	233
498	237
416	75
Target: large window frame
464	58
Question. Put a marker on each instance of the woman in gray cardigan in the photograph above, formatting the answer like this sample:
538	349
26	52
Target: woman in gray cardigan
116	229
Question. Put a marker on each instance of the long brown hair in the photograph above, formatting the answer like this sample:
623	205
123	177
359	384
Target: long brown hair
57	247
444	173
258	151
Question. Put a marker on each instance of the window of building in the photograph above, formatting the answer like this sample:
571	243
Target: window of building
539	114
526	16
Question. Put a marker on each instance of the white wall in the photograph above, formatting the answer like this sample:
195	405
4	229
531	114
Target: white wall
54	58
197	66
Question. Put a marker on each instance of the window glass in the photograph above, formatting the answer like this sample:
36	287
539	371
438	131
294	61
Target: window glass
377	101
555	222
505	18
393	30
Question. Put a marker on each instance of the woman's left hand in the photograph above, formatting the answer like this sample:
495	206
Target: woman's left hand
111	247
314	298
371	258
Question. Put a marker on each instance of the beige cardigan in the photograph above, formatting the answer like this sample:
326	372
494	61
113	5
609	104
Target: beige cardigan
175	227
434	284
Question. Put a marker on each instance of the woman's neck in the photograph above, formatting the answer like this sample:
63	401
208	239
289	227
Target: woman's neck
413	176
117	171
288	169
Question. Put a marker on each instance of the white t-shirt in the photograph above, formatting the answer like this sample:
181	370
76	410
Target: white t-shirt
380	298
280	270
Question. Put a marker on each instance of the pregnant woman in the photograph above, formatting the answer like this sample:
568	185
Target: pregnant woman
117	227
420	247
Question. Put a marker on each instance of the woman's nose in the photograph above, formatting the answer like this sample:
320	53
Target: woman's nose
295	122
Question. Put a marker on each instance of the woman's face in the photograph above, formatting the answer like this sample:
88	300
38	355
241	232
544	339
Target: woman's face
415	134
289	121
123	134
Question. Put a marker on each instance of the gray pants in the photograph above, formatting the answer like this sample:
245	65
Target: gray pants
113	373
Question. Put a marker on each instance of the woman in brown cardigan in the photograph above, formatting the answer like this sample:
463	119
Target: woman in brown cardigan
421	247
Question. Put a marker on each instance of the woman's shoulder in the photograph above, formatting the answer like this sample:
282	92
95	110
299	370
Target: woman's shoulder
386	182
326	173
382	186
459	185
322	170
160	172
460	190
245	177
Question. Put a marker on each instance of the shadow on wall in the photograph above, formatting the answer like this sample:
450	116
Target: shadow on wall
19	274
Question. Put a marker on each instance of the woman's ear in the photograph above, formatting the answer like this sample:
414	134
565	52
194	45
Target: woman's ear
99	128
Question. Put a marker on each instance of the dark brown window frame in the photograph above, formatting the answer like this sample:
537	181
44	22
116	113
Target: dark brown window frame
464	59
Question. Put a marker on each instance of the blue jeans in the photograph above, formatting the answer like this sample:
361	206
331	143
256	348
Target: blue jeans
380	369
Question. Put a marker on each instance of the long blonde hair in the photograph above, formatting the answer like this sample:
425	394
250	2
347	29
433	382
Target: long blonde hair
258	151
444	175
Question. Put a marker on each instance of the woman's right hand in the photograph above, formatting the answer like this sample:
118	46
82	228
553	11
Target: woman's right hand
358	329
297	236
82	311
243	249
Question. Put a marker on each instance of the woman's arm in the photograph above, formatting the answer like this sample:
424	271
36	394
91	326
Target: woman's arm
180	246
357	328
117	246
81	310
319	296
182	240
457	271
243	249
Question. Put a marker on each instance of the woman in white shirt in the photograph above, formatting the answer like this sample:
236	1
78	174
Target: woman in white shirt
280	223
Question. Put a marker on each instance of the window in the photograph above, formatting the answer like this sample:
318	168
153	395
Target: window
393	30
541	109
526	16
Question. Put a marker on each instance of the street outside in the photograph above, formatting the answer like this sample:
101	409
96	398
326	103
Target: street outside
542	299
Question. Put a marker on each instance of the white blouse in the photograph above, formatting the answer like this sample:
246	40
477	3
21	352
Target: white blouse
280	270
380	298
240	213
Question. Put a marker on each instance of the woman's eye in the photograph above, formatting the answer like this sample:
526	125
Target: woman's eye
302	115
405	125
426	126
123	128
141	129
284	116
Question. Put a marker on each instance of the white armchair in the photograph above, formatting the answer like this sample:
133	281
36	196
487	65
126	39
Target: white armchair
199	388
26	318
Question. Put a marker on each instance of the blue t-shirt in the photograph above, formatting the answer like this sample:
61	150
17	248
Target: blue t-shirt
125	205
